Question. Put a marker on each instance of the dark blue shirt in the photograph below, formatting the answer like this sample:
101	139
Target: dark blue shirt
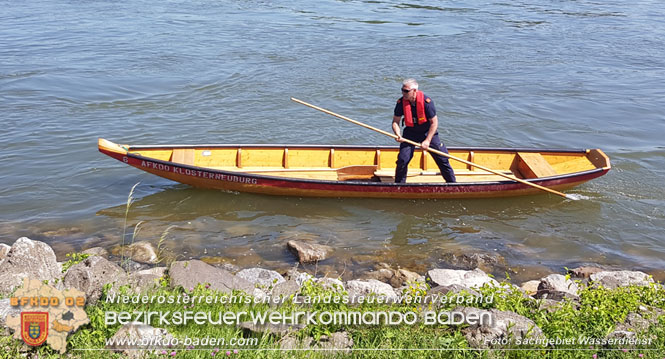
430	111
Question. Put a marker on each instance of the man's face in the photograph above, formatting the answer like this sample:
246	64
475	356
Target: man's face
408	93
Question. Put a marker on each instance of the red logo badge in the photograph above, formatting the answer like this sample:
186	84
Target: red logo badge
34	327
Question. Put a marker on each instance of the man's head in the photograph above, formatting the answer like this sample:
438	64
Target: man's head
409	89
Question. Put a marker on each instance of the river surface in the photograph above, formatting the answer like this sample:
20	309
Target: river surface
531	73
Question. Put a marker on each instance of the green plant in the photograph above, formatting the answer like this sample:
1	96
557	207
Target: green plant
74	258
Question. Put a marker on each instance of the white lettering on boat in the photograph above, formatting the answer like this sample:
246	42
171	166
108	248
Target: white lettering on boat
198	173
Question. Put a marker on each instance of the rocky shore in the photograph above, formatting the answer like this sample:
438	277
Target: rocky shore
144	271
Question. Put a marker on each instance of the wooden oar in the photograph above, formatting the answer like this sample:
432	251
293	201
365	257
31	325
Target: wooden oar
513	178
343	173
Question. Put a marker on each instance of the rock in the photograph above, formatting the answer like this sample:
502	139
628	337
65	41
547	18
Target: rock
397	278
496	325
309	252
584	271
337	342
97	251
616	279
3	250
472	261
92	274
453	289
530	287
289	342
383	275
280	329
27	259
471	279
556	286
263	279
299	277
330	283
403	276
142	252
360	290
190	273
146	279
640	322
231	268
286	289
139	332
6	309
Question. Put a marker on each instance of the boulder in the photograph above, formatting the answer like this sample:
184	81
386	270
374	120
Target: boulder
6	309
470	279
263	279
280	329
286	289
616	279
4	249
340	342
494	325
27	259
188	274
395	277
584	272
92	274
146	279
138	332
336	342
299	277
530	287
556	286
290	342
309	252
330	283
361	290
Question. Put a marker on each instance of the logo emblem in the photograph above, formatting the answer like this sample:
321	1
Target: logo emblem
34	327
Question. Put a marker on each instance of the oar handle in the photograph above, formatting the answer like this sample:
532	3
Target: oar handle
513	178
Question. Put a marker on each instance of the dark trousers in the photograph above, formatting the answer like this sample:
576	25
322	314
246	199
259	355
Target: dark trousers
406	154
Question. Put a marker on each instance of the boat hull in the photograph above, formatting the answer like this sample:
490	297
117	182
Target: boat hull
202	177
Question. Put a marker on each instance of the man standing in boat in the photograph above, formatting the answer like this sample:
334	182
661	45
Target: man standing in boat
421	126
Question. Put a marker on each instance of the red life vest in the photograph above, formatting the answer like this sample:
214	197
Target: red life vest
420	110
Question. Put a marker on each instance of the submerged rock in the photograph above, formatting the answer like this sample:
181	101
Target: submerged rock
142	252
97	251
309	252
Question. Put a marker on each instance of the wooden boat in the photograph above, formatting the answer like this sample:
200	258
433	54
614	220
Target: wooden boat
359	171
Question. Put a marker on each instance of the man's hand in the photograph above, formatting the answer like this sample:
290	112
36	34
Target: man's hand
399	139
425	144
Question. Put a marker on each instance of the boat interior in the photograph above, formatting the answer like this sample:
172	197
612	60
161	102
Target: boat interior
377	164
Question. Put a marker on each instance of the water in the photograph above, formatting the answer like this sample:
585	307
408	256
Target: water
533	73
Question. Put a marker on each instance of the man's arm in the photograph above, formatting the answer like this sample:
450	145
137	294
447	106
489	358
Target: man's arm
397	129
432	130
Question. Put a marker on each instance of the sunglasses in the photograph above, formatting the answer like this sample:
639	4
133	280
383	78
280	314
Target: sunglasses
406	90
